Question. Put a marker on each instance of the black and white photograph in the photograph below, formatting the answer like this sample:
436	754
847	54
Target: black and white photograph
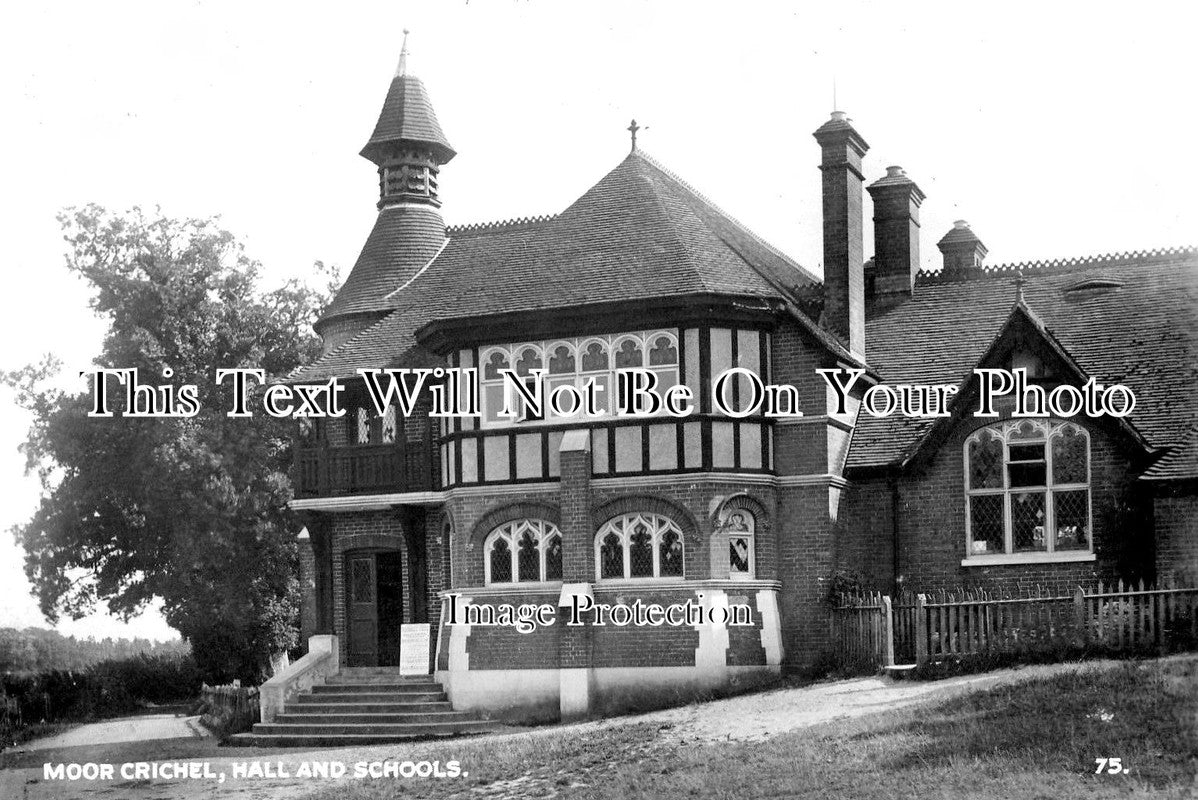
631	399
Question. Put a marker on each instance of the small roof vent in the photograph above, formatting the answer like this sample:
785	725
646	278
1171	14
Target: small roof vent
1094	285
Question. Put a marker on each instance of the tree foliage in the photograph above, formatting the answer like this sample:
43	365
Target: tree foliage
189	510
34	650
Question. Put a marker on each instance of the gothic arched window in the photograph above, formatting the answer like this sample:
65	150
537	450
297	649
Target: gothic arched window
1027	490
523	551
638	546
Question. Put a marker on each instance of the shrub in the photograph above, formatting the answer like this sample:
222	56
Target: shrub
107	689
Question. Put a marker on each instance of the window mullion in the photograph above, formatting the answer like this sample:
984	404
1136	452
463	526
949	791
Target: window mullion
654	542
541	551
515	559
1008	523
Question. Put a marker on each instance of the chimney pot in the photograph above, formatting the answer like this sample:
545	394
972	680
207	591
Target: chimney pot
896	201
962	249
842	149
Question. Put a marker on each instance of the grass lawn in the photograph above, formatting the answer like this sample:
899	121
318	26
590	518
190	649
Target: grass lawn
1037	739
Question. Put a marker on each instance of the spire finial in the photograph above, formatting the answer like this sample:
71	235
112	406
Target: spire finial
402	67
835	106
633	128
1019	282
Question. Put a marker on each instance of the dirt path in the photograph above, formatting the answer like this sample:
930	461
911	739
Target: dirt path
145	728
745	718
758	716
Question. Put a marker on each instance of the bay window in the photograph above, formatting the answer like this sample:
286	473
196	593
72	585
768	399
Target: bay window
574	362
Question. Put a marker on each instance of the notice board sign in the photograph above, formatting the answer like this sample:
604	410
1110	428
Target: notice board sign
414	648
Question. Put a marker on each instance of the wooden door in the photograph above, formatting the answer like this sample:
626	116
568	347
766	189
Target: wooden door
363	624
388	584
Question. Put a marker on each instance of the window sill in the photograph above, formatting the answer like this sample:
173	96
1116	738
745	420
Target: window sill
1027	558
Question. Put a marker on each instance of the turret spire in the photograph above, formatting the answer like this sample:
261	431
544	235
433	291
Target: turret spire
407	145
401	67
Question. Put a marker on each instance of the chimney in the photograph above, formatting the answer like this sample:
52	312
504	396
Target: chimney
896	234
963	250
844	281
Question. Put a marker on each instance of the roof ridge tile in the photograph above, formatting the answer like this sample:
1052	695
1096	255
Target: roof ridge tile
503	224
931	276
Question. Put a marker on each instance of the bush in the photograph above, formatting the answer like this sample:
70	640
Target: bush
107	689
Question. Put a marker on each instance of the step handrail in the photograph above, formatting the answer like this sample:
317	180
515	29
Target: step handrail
322	660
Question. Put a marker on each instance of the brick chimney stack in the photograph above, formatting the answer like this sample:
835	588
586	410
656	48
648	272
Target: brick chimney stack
896	235
844	281
963	250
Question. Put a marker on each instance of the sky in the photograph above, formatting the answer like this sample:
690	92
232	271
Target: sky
1056	129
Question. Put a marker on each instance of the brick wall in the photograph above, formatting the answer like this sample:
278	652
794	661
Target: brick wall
931	525
307	585
1176	518
502	647
865	534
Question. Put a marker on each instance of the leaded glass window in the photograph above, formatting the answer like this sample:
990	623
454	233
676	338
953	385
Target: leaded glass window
363	426
573	362
594	358
738	527
664	352
553	558
629	354
1069	461
670	554
496	361
562	360
530	557
639	546
499	561
640	551
1027	488
985	460
529	360
611	556
389	428
532	547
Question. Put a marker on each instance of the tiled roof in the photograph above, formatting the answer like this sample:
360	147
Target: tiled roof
1180	463
958	234
408	115
404	239
639	233
1130	319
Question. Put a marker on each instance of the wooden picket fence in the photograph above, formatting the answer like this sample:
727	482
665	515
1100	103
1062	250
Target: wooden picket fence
229	709
871	630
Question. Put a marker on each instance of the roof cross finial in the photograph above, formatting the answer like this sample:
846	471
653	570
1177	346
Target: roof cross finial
633	128
402	67
1019	282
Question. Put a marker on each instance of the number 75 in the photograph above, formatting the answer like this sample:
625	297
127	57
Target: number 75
1113	766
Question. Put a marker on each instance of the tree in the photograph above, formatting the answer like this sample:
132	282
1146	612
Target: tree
189	510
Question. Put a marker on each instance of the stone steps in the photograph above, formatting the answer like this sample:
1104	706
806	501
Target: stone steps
339	717
375	696
320	740
365	706
397	730
401	689
313	707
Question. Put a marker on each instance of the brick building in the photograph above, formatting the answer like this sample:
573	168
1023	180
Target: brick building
643	271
